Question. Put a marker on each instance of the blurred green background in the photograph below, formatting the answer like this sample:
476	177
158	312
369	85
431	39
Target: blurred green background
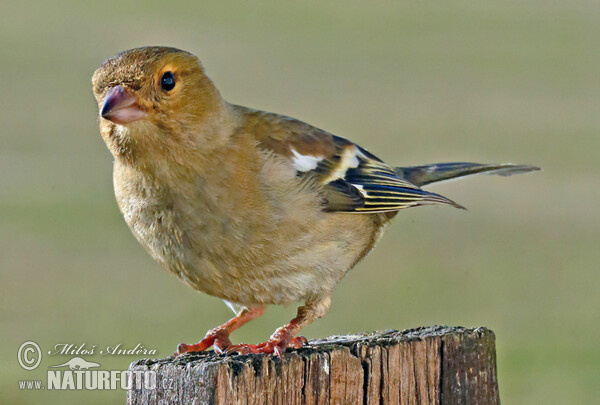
413	82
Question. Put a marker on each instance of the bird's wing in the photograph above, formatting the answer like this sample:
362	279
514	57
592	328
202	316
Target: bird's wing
352	179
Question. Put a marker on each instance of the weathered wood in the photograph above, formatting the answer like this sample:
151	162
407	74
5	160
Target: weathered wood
429	365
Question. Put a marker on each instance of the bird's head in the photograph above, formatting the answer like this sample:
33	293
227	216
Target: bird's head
155	98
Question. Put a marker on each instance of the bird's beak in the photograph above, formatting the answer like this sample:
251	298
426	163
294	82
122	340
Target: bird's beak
121	106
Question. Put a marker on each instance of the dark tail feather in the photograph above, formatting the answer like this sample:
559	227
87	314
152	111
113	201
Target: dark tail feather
423	175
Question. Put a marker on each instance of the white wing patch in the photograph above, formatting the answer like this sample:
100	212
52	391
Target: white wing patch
361	189
348	160
305	163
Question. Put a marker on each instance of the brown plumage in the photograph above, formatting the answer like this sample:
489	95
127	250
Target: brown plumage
253	207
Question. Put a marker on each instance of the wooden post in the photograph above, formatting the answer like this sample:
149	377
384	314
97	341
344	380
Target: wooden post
429	365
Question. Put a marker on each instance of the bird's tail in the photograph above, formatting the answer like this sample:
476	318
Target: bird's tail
432	173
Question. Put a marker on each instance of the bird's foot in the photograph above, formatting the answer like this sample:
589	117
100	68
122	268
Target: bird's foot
215	337
277	344
219	336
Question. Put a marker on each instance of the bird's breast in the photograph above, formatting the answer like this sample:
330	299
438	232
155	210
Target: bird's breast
251	240
199	227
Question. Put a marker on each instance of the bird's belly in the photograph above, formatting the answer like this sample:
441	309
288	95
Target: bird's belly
247	257
290	266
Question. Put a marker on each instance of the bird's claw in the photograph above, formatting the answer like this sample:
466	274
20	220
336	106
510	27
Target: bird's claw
219	341
271	346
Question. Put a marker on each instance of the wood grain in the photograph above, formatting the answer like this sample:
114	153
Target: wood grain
428	365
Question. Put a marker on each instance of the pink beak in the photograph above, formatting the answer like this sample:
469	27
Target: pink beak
120	106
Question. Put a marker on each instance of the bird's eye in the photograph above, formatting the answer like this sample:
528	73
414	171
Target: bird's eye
167	81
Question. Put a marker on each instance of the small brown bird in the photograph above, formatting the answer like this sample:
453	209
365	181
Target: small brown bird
249	206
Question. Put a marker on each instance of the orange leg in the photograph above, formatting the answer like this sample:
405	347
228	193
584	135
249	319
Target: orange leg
285	336
219	336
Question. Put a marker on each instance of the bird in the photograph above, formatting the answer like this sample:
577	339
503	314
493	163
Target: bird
253	207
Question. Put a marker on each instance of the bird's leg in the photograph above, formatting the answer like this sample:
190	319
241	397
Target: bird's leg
219	336
285	336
